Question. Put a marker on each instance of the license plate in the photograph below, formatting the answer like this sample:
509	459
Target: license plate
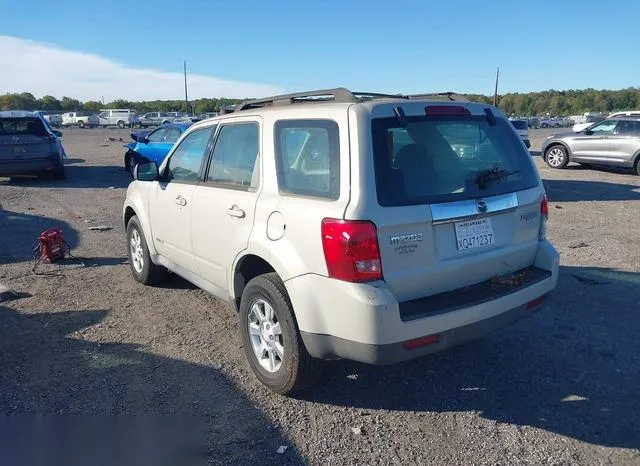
474	234
18	149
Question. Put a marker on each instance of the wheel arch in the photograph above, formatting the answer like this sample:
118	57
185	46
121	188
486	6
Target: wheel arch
246	267
131	208
556	143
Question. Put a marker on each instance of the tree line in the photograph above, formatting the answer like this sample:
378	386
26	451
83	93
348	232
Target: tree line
570	102
27	101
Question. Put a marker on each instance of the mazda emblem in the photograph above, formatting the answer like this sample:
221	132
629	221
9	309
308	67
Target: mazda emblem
482	207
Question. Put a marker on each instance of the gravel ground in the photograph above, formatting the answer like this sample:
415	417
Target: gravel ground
560	387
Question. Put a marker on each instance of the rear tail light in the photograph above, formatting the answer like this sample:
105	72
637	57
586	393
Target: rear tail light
431	110
351	250
536	302
544	217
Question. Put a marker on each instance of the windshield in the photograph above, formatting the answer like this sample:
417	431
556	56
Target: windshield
447	158
21	126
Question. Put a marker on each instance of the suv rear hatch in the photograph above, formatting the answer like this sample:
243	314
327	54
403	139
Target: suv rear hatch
460	200
23	138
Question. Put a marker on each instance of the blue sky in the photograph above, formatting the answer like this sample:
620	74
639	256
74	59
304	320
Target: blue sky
374	45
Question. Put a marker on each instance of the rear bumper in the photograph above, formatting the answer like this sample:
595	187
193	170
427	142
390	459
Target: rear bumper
363	321
28	167
327	347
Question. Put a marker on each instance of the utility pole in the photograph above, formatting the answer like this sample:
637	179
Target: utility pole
186	97
495	92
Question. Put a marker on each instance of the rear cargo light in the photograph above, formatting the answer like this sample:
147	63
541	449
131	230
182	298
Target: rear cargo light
544	217
536	302
431	110
420	342
351	250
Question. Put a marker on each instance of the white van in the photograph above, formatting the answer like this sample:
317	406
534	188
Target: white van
118	117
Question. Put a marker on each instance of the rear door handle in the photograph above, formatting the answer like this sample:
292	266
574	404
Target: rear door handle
236	212
181	201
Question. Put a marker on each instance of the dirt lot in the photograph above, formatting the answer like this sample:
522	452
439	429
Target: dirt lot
561	387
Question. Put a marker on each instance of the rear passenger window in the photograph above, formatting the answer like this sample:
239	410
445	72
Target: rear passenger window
308	158
172	135
233	164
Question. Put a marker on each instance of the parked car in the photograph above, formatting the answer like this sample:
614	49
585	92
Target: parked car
80	119
118	117
589	120
348	227
154	119
614	141
152	146
28	146
54	120
522	128
205	116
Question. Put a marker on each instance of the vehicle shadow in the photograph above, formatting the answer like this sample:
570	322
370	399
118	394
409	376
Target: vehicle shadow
572	369
119	402
24	230
577	190
81	176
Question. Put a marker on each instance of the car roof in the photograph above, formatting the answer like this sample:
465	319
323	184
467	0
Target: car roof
16	114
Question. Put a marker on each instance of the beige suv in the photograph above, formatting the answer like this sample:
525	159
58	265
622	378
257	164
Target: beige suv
371	227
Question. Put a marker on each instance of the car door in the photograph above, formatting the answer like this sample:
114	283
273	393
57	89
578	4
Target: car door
625	141
594	144
224	204
151	149
172	196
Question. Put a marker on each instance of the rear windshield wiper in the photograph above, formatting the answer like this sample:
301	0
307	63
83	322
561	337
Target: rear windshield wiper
493	174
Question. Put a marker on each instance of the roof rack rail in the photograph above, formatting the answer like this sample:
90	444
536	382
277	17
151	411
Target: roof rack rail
339	94
442	96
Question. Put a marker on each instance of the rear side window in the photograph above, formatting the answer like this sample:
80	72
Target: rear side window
172	135
308	157
447	158
628	128
519	124
19	126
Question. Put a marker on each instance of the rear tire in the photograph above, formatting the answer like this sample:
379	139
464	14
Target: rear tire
264	305
636	167
556	157
121	124
81	124
143	270
59	174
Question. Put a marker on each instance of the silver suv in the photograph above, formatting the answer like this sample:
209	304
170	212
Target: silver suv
370	227
614	142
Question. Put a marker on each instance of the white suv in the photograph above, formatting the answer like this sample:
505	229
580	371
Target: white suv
370	227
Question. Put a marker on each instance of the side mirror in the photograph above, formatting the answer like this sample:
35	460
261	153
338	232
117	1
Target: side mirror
143	140
145	172
57	133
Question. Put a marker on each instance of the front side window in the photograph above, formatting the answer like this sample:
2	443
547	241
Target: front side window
606	127
436	159
186	161
233	164
157	135
308	157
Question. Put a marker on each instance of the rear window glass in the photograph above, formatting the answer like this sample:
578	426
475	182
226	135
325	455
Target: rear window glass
308	158
447	158
17	126
519	124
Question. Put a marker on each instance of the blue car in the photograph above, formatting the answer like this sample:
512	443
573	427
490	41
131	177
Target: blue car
152	146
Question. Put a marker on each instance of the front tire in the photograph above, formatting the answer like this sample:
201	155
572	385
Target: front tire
271	339
143	270
81	124
121	124
557	157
